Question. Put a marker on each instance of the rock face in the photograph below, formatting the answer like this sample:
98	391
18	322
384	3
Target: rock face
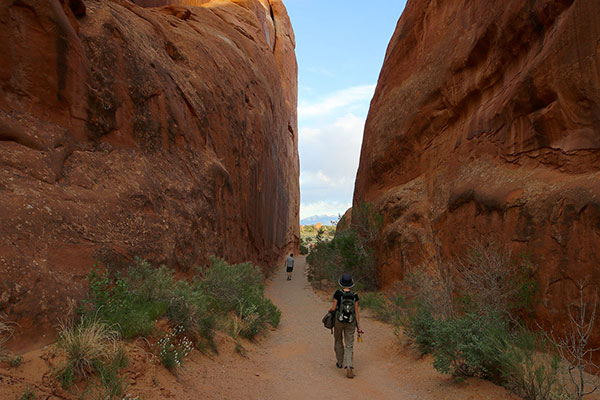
166	133
485	125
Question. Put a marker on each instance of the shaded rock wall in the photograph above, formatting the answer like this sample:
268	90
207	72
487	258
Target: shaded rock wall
168	134
485	125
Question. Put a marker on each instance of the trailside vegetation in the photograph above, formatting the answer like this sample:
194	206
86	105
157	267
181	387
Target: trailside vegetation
124	306
469	316
350	251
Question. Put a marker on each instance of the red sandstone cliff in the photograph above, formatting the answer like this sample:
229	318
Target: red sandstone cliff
167	133
485	124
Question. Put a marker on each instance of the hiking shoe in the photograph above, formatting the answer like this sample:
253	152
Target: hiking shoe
349	373
338	364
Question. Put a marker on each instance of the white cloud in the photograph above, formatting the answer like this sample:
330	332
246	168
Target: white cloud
330	137
328	162
341	99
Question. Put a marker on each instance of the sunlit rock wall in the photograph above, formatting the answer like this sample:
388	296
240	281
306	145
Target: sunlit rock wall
485	126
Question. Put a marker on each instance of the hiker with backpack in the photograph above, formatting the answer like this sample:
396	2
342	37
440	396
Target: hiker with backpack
345	306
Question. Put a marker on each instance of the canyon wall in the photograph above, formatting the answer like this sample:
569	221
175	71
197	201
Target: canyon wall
485	126
166	133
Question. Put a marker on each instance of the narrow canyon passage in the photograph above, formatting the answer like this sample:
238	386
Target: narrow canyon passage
296	361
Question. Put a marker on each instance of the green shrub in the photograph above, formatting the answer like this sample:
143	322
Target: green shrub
117	302
150	284
527	370
468	345
239	289
350	251
189	307
420	326
379	304
303	249
132	304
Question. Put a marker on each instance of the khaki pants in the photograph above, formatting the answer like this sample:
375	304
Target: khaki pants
344	350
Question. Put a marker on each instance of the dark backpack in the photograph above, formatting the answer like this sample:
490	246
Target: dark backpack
346	307
328	320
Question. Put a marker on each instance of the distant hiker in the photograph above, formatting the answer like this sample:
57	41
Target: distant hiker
345	305
289	266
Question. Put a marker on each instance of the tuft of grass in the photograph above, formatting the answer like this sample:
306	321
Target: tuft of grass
86	345
6	332
28	394
16	361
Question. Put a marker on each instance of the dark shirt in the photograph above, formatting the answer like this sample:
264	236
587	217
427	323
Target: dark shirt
338	296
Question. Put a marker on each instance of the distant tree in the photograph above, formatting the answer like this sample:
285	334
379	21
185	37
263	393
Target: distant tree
320	234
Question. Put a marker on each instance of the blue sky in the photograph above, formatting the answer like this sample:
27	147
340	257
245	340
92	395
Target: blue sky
340	47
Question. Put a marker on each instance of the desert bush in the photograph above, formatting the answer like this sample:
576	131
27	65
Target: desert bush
323	262
148	283
351	251
189	307
574	345
303	249
419	323
528	368
116	301
467	345
16	361
379	305
489	280
239	289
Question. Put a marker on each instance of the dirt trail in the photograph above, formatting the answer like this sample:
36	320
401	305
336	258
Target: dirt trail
294	361
297	361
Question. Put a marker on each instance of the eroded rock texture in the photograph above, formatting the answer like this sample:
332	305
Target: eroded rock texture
485	125
165	133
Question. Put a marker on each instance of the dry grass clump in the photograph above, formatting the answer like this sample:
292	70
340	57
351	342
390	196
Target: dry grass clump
87	344
6	331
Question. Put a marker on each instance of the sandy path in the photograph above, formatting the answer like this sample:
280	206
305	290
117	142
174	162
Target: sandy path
297	360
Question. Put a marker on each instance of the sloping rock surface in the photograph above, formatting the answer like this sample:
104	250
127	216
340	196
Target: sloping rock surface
165	133
485	126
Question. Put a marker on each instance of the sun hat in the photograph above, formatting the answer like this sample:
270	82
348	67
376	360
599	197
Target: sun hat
346	281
